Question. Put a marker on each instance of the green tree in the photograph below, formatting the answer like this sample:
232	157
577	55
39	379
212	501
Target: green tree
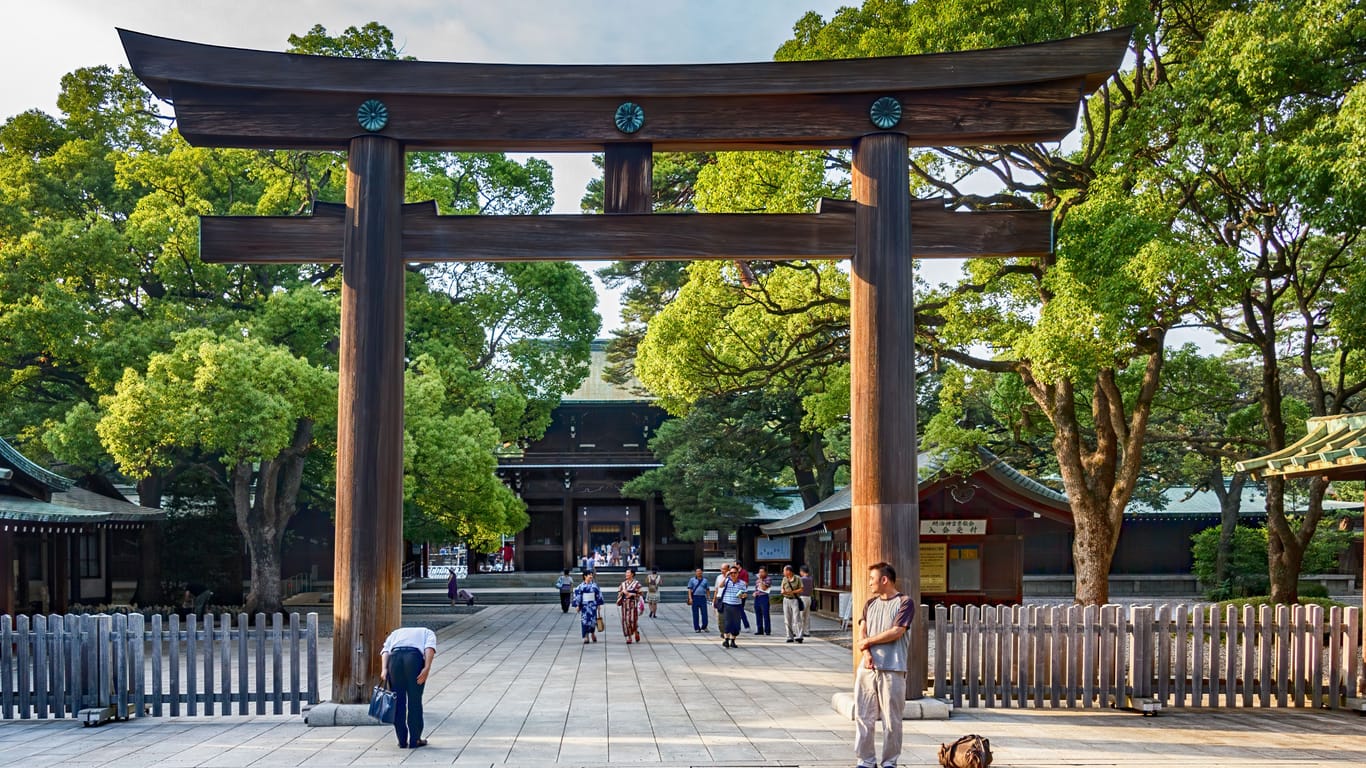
251	406
1251	138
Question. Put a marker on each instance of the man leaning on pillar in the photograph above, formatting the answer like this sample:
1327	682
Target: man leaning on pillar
880	679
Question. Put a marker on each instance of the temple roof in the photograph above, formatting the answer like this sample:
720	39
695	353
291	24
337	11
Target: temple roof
1333	446
839	503
32	494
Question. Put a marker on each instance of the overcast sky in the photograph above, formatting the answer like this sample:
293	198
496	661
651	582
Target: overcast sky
49	38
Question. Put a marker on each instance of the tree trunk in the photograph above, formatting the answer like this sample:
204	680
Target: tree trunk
1099	478
150	592
264	516
1230	504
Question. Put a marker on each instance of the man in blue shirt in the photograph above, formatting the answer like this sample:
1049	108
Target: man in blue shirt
697	598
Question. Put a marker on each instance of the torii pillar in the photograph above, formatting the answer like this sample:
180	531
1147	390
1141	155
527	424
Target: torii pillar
884	509
369	540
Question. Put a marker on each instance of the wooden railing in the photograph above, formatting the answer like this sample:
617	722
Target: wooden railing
57	666
1182	656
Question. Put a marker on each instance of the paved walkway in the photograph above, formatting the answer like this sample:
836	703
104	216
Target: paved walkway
514	686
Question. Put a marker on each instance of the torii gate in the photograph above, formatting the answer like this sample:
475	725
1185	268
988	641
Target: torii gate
376	110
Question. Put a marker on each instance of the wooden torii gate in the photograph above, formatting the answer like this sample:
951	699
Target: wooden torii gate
377	110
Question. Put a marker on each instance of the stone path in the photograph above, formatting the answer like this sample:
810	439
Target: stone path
514	686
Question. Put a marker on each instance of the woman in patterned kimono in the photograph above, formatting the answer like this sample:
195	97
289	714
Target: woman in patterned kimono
587	598
628	598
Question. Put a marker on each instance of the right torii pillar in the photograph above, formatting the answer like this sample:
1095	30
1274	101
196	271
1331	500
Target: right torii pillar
885	513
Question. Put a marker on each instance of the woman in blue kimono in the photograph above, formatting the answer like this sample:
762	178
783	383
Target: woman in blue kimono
587	598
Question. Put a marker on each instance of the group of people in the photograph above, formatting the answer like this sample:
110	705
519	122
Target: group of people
880	639
633	598
614	555
731	589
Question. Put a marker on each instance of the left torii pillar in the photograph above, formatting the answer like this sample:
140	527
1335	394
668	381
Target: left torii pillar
367	600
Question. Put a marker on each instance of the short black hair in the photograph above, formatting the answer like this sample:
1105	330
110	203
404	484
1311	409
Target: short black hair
885	569
566	571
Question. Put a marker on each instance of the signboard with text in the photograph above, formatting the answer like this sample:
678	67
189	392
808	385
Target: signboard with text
934	568
773	549
953	527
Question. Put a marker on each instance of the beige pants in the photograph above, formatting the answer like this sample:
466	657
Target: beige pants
792	618
883	694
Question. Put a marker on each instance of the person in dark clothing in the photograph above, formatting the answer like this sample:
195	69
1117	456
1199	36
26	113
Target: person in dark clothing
407	661
566	586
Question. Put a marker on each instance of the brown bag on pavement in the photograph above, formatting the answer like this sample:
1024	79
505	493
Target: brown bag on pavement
971	751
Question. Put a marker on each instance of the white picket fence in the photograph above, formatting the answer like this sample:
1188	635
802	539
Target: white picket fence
1182	656
56	666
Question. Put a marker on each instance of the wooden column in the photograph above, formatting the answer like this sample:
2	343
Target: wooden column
567	529
369	555
648	545
885	513
628	178
7	579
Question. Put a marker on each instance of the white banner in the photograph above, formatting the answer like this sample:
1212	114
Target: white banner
773	549
953	527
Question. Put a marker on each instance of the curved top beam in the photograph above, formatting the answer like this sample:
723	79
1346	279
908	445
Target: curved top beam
237	97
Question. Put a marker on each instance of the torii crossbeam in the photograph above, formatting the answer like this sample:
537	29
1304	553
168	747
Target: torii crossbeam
377	110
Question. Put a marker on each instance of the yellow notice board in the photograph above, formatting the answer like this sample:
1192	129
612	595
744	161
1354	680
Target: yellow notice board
934	568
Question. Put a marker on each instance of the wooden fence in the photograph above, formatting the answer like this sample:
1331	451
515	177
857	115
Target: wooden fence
1182	656
56	666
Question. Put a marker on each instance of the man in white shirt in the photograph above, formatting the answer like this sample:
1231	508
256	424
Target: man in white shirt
407	661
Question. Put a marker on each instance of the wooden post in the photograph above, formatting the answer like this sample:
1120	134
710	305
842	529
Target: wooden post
369	554
628	178
885	516
7	572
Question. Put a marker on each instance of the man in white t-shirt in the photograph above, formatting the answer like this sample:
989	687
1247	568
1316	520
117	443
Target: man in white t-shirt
407	661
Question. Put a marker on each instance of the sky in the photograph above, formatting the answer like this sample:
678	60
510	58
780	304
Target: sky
49	38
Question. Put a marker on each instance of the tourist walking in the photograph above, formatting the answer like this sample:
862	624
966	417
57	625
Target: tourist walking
588	599
629	600
565	584
880	678
716	597
740	574
406	659
698	587
791	588
808	597
763	624
732	595
652	584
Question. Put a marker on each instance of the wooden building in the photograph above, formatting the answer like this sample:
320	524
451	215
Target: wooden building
61	544
571	480
977	534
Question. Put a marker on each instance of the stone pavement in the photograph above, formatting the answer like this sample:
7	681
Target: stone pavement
514	686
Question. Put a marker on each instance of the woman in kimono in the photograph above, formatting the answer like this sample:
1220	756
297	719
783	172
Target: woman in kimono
587	598
628	597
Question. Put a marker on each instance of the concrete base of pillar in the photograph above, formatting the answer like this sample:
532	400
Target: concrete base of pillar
327	714
916	709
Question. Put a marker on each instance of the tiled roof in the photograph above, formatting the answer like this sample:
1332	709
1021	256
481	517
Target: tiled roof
1332	445
931	466
595	389
70	505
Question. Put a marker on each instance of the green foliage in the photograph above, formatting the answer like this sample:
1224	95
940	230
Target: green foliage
720	459
1248	568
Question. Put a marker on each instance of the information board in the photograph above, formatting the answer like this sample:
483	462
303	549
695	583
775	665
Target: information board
934	568
773	549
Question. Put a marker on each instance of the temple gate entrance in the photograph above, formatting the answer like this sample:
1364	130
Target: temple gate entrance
378	110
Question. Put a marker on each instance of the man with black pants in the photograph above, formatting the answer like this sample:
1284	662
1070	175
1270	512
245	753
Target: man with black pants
407	661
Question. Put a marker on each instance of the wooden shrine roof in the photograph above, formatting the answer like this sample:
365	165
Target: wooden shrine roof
1030	494
1333	446
246	98
30	494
